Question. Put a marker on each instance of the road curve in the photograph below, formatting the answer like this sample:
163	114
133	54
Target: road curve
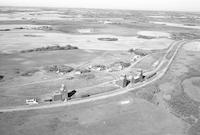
102	95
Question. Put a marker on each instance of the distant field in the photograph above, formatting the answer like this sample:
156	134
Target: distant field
17	41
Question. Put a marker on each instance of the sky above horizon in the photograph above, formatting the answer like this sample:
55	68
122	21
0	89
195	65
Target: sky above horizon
176	5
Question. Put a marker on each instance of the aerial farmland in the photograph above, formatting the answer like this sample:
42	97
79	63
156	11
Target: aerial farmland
99	71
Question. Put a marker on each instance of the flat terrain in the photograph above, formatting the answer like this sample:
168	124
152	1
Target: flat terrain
26	39
17	87
167	106
107	117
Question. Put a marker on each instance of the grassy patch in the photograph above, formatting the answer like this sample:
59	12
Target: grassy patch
147	93
183	106
195	129
185	35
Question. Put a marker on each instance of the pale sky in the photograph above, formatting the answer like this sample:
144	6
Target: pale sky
178	5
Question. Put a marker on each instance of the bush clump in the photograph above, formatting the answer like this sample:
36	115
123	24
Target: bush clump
60	68
97	67
145	37
120	63
4	29
140	52
51	48
108	39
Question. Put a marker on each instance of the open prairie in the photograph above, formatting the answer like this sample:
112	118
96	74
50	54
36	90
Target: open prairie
125	72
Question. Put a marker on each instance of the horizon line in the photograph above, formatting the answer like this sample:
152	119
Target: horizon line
64	7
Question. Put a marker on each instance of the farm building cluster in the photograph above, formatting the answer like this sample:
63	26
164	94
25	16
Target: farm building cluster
64	95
